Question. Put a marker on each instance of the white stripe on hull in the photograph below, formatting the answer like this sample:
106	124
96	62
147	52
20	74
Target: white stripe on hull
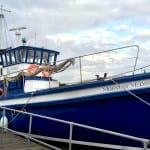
78	93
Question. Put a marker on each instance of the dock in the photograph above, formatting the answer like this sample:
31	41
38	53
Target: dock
9	140
12	141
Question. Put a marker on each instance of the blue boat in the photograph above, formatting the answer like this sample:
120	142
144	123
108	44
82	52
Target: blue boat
119	104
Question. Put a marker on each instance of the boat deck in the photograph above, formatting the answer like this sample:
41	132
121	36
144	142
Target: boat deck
12	141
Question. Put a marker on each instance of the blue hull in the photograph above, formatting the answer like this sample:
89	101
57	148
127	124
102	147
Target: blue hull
123	114
115	111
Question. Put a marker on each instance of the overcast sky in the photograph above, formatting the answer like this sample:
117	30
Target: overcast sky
76	27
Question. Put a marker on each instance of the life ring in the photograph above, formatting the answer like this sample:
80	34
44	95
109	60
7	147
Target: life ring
46	73
33	68
1	92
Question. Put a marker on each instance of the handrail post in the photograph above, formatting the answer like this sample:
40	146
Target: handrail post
70	136
145	145
80	68
2	125
29	132
3	118
137	55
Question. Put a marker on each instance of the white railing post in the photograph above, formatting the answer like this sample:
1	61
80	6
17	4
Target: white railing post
4	120
2	124
145	145
70	136
29	132
30	124
137	55
80	63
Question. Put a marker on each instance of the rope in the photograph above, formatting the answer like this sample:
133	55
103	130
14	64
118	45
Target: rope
131	93
5	33
58	68
22	109
6	28
51	69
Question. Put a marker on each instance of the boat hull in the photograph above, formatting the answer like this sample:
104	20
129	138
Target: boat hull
119	112
102	104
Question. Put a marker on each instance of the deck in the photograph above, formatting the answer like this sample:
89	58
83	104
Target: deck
12	141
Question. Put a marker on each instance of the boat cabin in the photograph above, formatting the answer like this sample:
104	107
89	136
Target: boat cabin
13	61
29	55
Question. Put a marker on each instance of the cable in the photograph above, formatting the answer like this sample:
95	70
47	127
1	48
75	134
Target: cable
5	32
12	43
131	93
22	109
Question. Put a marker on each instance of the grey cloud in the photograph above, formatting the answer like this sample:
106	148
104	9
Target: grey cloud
68	15
51	17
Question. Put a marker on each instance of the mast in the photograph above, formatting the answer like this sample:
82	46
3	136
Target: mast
1	24
1	30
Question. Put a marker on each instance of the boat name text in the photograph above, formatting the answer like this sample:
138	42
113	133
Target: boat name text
127	86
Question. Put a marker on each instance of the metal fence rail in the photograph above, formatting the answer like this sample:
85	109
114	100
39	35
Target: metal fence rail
84	64
145	142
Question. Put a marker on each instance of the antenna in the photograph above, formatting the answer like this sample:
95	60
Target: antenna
2	9
1	23
18	32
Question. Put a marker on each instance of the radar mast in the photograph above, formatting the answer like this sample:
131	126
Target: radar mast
2	25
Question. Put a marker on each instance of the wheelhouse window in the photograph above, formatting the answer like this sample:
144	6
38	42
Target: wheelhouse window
37	57
45	58
13	58
4	60
30	56
23	55
17	54
8	58
51	58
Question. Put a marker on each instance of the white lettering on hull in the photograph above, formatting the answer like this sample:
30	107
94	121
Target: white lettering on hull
126	86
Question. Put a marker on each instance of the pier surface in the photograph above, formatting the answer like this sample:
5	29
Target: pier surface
11	141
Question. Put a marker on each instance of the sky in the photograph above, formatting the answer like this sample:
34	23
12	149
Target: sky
78	27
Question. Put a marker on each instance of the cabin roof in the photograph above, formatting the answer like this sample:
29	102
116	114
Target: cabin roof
28	47
27	54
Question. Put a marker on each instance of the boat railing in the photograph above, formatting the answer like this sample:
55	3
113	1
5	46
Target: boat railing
100	64
71	125
92	66
5	128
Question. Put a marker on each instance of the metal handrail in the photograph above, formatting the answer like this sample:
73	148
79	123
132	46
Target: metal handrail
145	142
105	51
90	54
28	136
